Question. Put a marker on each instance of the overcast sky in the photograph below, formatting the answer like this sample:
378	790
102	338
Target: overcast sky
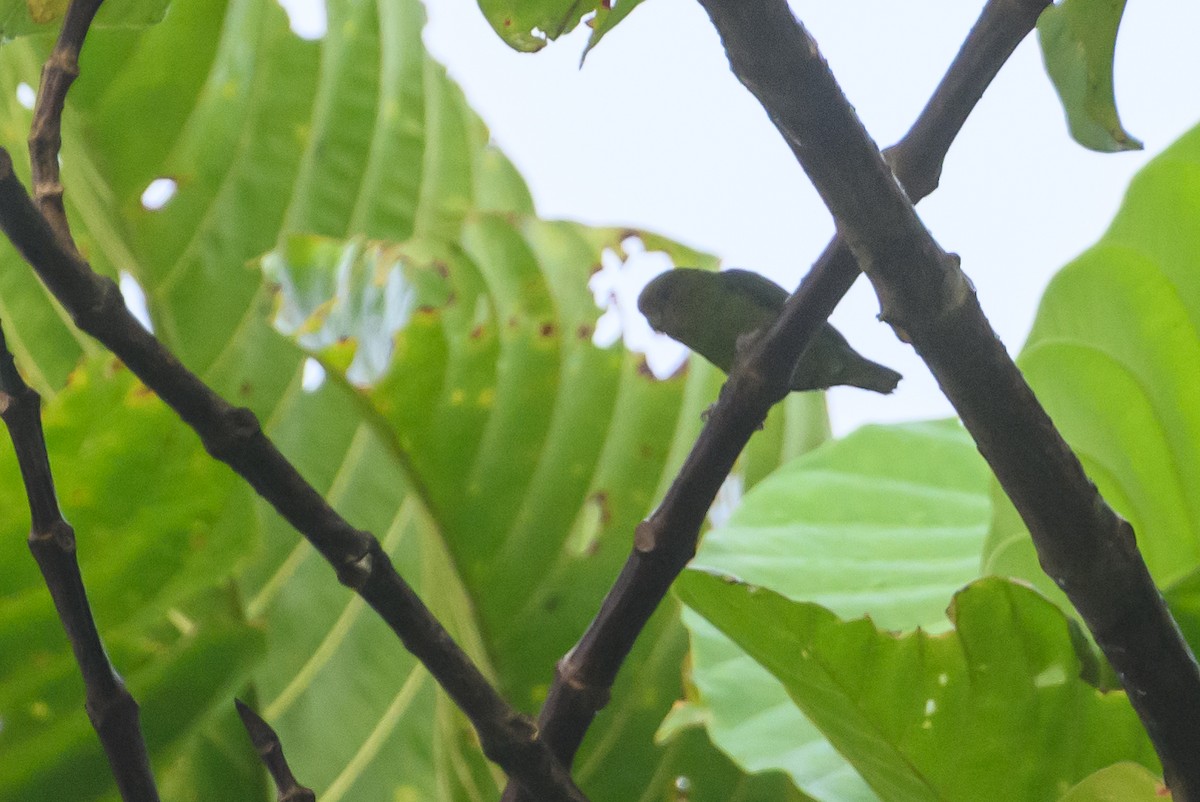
655	132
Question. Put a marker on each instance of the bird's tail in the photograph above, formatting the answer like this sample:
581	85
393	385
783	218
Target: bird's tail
871	376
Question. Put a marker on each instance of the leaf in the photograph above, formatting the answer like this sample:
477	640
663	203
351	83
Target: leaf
1122	782
25	17
909	711
149	509
1114	356
501	457
888	522
608	14
1078	40
529	26
177	676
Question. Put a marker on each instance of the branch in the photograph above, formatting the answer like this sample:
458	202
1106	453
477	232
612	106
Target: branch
45	136
266	743
234	436
1087	549
666	541
110	706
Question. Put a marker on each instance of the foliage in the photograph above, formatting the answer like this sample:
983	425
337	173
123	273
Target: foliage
26	17
337	203
501	456
1079	40
1114	356
529	26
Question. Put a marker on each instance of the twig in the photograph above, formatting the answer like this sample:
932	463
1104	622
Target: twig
666	541
110	706
45	135
233	435
266	743
1083	545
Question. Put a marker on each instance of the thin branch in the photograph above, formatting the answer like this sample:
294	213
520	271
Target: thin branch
1083	545
110	706
266	743
234	436
45	135
666	541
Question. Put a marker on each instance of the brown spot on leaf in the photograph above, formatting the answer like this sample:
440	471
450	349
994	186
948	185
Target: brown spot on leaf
477	332
584	332
643	369
645	451
547	330
507	22
514	322
441	268
246	389
600	499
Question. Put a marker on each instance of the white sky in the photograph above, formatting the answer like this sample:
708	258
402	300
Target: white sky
655	132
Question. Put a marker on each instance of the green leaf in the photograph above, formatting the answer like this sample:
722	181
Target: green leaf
994	709
888	522
1114	356
24	17
181	671
530	26
608	14
154	526
1122	782
1078	40
501	457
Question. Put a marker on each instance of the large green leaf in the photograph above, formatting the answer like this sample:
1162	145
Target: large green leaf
887	522
145	550
994	709
502	458
1079	39
1114	356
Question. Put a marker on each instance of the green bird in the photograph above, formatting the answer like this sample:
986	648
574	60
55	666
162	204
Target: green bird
709	311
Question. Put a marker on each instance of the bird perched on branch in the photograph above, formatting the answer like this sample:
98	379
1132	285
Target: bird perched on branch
709	311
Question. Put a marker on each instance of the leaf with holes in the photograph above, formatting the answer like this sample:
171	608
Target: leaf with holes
530	26
994	709
466	417
886	522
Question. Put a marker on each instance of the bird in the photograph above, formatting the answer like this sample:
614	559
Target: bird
708	311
